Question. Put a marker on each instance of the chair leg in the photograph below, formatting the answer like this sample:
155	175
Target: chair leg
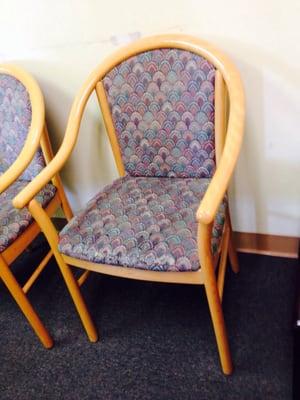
49	230
80	305
233	258
223	262
213	297
217	317
24	304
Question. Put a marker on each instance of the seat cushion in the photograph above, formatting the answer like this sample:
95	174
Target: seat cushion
14	221
145	223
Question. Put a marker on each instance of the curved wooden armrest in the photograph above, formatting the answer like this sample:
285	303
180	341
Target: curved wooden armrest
220	181
51	169
36	127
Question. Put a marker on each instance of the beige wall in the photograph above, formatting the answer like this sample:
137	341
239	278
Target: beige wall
60	42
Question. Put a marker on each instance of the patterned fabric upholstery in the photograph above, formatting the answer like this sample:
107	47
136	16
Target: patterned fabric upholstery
15	119
13	221
162	104
146	223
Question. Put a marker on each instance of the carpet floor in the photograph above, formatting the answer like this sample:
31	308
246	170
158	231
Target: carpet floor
156	340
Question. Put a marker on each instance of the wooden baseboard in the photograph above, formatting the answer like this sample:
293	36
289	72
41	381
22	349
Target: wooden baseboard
270	245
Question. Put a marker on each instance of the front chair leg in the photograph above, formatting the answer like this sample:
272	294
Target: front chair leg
24	304
48	229
80	305
213	297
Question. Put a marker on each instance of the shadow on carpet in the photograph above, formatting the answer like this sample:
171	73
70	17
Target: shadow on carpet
156	340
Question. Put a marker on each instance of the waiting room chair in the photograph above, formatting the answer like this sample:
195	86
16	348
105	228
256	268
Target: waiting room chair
24	151
173	107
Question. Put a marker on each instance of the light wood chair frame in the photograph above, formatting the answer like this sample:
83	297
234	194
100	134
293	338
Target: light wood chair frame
229	126
37	136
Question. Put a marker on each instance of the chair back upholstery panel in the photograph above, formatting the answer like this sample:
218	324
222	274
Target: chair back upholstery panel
162	106
15	120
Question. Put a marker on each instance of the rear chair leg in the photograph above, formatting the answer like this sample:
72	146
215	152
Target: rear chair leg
233	258
213	297
223	261
24	304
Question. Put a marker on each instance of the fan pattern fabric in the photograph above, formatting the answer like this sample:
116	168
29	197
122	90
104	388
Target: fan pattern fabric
162	105
15	120
145	223
13	221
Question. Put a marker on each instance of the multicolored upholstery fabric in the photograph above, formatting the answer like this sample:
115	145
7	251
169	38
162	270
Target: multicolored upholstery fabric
162	105
13	221
145	223
15	120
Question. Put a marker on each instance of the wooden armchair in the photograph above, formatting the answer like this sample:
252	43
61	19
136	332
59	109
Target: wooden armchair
24	152
173	107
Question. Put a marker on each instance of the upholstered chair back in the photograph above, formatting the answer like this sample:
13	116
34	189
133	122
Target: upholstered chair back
162	105
15	120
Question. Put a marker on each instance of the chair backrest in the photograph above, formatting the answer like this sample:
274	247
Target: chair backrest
162	107
15	122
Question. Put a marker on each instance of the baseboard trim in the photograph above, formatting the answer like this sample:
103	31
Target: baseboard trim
270	245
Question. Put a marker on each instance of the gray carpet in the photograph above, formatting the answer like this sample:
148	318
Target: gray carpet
156	341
